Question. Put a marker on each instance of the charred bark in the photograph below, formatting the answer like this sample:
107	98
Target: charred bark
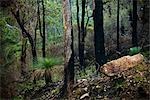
39	17
78	24
134	24
26	34
43	36
82	37
118	8
24	70
99	34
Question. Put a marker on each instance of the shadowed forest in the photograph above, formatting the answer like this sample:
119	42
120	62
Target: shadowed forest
74	50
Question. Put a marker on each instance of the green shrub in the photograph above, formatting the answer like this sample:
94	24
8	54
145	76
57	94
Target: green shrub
134	50
43	69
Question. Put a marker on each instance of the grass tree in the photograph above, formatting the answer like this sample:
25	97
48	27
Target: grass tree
43	69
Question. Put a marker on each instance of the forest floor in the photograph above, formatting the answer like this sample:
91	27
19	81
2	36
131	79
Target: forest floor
132	84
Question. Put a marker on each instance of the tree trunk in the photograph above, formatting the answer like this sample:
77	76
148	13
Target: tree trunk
43	36
26	34
134	24
118	44
82	37
68	49
78	23
99	34
24	69
39	17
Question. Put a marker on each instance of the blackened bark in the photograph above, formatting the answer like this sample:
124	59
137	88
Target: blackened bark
118	8
82	37
39	17
23	58
26	34
68	50
43	37
134	24
78	23
99	34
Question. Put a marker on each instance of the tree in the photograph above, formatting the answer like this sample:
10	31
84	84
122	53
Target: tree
25	33
118	45
99	34
23	57
68	49
43	36
134	24
42	25
82	37
79	33
39	17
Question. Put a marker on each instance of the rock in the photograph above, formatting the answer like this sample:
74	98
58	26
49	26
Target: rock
86	95
85	89
124	63
82	80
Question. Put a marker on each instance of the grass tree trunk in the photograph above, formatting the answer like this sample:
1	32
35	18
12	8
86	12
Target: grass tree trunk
48	77
99	34
68	49
134	24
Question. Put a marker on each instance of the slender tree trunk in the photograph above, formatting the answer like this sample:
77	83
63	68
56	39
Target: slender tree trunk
26	34
24	69
99	34
82	37
35	33
134	31
78	23
39	17
43	37
68	50
118	8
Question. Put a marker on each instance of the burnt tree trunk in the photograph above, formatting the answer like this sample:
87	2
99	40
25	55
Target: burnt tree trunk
26	34
24	69
82	37
134	24
68	50
39	17
78	24
118	8
99	34
43	36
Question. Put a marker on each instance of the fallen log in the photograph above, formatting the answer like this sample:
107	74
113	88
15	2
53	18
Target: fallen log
122	64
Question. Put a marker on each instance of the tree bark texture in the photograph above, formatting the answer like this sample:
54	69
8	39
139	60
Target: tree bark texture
118	8
134	24
68	49
99	34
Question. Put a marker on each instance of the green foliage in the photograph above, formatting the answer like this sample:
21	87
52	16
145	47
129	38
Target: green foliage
89	71
43	69
46	63
134	50
54	20
10	42
146	54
